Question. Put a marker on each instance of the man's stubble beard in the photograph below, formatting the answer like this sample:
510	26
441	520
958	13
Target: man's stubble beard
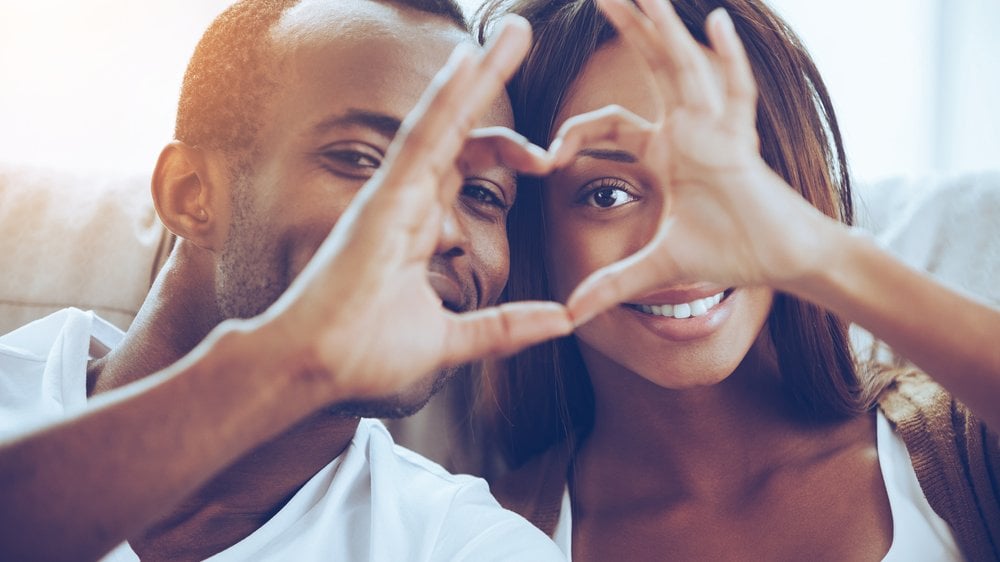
251	274
401	405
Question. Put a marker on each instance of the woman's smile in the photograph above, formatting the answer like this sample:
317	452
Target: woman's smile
684	318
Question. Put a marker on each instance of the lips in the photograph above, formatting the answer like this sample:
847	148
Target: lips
449	290
681	310
684	314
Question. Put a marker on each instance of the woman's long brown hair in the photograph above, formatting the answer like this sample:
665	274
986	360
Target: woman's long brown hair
542	396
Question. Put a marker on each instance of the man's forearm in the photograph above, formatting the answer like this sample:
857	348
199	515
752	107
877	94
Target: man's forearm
76	488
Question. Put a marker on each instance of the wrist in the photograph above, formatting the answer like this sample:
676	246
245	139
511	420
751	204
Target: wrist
839	251
799	243
278	358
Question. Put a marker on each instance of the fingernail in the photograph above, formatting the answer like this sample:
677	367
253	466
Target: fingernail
507	24
461	52
725	21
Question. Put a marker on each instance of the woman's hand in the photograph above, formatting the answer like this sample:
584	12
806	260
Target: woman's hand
727	217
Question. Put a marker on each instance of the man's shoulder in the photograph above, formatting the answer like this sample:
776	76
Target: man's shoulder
43	365
398	462
410	460
456	508
35	339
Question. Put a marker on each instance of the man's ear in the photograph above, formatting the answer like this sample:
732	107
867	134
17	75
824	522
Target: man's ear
190	192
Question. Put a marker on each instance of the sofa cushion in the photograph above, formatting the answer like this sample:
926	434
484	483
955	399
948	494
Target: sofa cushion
87	240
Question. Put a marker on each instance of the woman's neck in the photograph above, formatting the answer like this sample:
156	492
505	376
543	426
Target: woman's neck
706	441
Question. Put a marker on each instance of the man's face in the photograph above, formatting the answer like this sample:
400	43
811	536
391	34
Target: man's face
348	73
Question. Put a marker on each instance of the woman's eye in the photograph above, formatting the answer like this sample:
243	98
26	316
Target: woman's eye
607	196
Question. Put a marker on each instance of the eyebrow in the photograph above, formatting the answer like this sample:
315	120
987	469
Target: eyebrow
382	123
612	155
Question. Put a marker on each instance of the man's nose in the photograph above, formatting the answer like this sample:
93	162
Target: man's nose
453	240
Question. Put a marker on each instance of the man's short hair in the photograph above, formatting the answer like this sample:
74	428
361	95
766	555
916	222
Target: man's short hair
229	78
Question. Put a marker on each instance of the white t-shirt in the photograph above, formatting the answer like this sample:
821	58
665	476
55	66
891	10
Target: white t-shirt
917	532
376	501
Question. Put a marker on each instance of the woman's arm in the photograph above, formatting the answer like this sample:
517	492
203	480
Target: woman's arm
951	336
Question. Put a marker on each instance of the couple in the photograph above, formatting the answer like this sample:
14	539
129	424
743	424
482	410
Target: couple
225	422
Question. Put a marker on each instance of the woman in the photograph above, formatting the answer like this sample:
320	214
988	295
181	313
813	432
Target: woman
710	407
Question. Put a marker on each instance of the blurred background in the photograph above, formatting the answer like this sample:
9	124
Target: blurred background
93	86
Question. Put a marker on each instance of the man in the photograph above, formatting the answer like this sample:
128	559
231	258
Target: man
221	422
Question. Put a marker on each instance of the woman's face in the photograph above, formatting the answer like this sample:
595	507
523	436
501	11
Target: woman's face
603	207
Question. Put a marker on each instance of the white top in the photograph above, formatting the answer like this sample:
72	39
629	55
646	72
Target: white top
376	501
917	532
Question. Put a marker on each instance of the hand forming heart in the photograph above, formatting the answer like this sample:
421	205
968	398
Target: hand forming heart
727	218
363	316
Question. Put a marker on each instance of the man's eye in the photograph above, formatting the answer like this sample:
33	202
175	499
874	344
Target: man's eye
609	193
352	162
483	195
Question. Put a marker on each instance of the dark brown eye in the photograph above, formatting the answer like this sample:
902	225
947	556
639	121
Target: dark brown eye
351	159
609	193
607	197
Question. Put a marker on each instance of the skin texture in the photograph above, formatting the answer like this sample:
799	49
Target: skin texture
215	425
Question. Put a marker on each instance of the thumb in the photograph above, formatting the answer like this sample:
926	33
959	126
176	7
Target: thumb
503	330
615	283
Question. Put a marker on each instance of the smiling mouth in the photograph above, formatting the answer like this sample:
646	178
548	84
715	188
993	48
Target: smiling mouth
695	308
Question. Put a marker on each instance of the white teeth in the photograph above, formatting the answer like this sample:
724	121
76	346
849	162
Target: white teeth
697	307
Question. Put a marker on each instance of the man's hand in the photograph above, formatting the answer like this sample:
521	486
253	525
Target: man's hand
363	314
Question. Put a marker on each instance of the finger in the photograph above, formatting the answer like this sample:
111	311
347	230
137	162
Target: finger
741	87
678	62
499	146
620	281
433	134
696	77
612	123
503	330
638	31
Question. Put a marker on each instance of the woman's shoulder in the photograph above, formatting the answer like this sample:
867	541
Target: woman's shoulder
910	396
932	422
955	456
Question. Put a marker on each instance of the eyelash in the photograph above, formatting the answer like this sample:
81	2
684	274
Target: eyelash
491	198
607	184
347	161
352	163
